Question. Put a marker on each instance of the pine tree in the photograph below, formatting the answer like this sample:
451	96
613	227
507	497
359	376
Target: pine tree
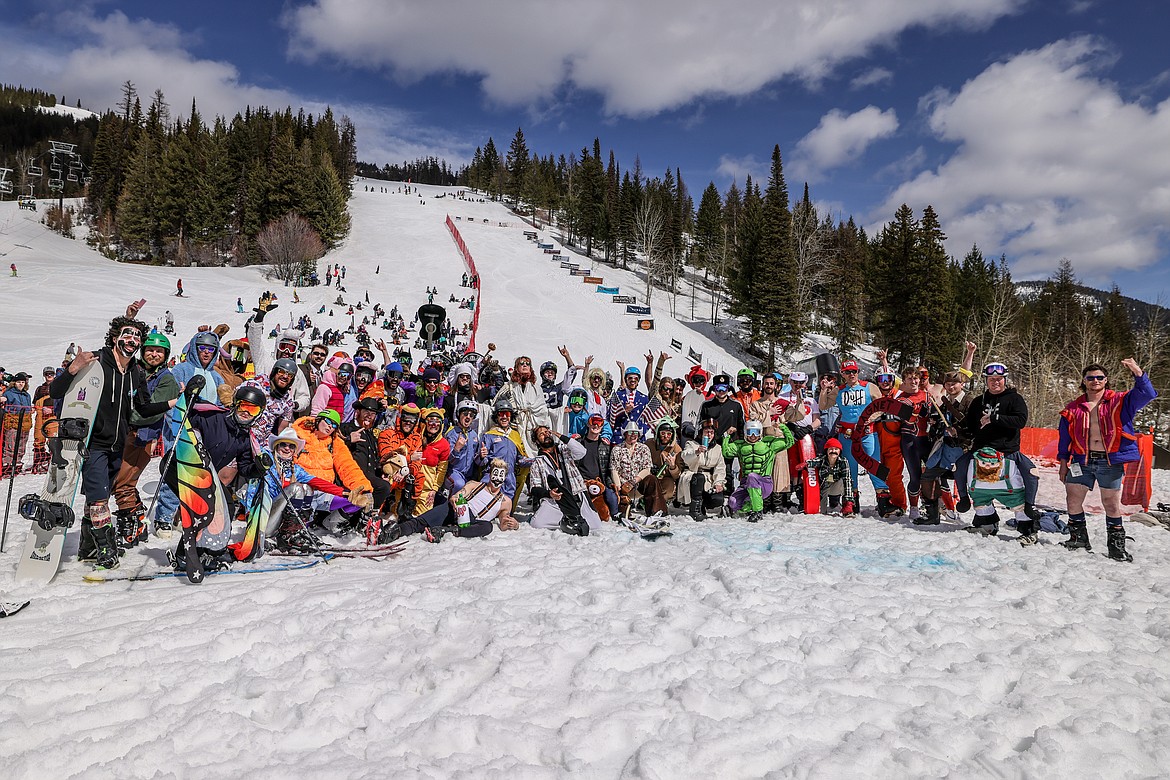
776	281
517	166
748	261
933	298
1116	327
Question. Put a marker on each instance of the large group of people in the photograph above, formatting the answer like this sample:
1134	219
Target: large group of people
383	448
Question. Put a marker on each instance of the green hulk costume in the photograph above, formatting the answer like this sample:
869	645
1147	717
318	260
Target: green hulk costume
755	465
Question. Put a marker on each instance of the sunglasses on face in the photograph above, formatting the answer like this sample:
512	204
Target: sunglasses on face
285	446
524	363
327	421
849	371
280	372
1095	378
469	412
317	354
430	381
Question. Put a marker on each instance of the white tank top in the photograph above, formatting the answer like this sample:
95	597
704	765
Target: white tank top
483	505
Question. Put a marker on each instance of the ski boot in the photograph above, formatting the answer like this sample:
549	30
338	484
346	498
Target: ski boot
754	517
696	510
963	506
434	535
931	517
884	507
1078	538
574	526
915	515
1029	532
1116	540
131	526
106	554
985	525
86	547
164	528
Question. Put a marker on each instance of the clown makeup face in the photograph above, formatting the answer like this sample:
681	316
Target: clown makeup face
498	475
128	341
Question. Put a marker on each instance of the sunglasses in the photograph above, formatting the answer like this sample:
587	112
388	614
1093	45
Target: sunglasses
849	371
282	372
430	381
285	445
698	381
471	412
1095	378
343	374
327	421
995	369
248	408
317	354
524	362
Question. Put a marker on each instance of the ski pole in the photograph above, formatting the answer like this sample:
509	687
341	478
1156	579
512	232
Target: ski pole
167	458
16	452
289	506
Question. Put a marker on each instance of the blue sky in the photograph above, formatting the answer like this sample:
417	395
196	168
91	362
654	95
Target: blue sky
1036	129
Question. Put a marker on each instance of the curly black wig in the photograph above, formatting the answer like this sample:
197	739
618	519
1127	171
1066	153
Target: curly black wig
118	323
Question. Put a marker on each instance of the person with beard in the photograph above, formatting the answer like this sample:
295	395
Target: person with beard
527	399
400	440
431	394
428	463
313	369
468	514
660	484
287	344
144	432
557	487
278	386
107	440
362	442
627	403
336	390
463	437
728	416
702	485
663	406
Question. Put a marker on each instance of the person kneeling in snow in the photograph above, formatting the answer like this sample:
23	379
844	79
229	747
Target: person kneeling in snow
284	449
469	513
756	453
991	477
557	487
836	484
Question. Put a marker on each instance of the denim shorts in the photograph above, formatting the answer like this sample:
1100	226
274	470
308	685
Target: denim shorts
1098	472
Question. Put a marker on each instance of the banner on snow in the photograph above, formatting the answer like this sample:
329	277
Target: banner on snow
566	264
645	324
625	299
695	356
608	290
580	271
593	280
676	344
640	310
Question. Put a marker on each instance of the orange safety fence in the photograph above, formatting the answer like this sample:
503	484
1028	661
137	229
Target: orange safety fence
470	263
1040	444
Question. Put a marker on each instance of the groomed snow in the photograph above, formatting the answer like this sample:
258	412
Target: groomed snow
800	647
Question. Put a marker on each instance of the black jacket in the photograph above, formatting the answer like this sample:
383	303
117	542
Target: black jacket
120	392
364	451
595	463
728	414
1009	414
225	439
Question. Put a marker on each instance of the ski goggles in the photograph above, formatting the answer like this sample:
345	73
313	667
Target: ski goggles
248	408
281	372
597	419
472	412
995	369
328	422
884	378
288	347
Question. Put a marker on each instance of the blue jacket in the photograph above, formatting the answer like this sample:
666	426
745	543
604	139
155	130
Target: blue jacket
465	460
579	424
182	374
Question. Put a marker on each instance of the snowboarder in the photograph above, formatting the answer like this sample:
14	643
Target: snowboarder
179	291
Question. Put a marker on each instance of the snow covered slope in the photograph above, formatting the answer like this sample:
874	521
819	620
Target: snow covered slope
809	647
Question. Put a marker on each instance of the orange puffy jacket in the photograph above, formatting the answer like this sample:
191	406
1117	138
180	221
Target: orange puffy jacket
328	458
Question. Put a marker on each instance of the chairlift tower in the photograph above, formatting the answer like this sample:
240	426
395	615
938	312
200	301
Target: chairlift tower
64	165
5	184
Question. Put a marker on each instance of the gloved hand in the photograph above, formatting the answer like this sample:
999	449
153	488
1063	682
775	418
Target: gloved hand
265	305
194	385
265	460
361	499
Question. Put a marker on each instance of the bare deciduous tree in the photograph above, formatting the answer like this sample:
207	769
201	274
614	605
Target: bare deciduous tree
649	229
290	245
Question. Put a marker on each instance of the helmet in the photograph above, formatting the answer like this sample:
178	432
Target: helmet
157	340
632	370
502	405
667	424
578	395
548	365
466	405
249	394
365	368
331	415
753	428
284	364
631	427
745	372
206	339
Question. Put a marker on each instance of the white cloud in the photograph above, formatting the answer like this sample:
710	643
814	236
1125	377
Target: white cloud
872	78
641	57
1051	162
840	139
109	50
737	169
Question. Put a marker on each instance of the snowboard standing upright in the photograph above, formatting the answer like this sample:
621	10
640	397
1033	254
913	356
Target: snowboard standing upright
51	510
202	501
811	492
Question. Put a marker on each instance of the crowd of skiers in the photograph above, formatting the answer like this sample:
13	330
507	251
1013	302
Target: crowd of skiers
384	448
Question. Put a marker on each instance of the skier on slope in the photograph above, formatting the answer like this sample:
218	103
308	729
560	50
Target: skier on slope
287	344
107	439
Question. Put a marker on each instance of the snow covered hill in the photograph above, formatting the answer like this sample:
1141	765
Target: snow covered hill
812	647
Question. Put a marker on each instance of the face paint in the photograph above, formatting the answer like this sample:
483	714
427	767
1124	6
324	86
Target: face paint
499	474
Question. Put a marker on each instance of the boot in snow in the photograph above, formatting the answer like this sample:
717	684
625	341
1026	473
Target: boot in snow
1028	532
105	554
86	547
932	517
1078	536
986	525
1116	541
